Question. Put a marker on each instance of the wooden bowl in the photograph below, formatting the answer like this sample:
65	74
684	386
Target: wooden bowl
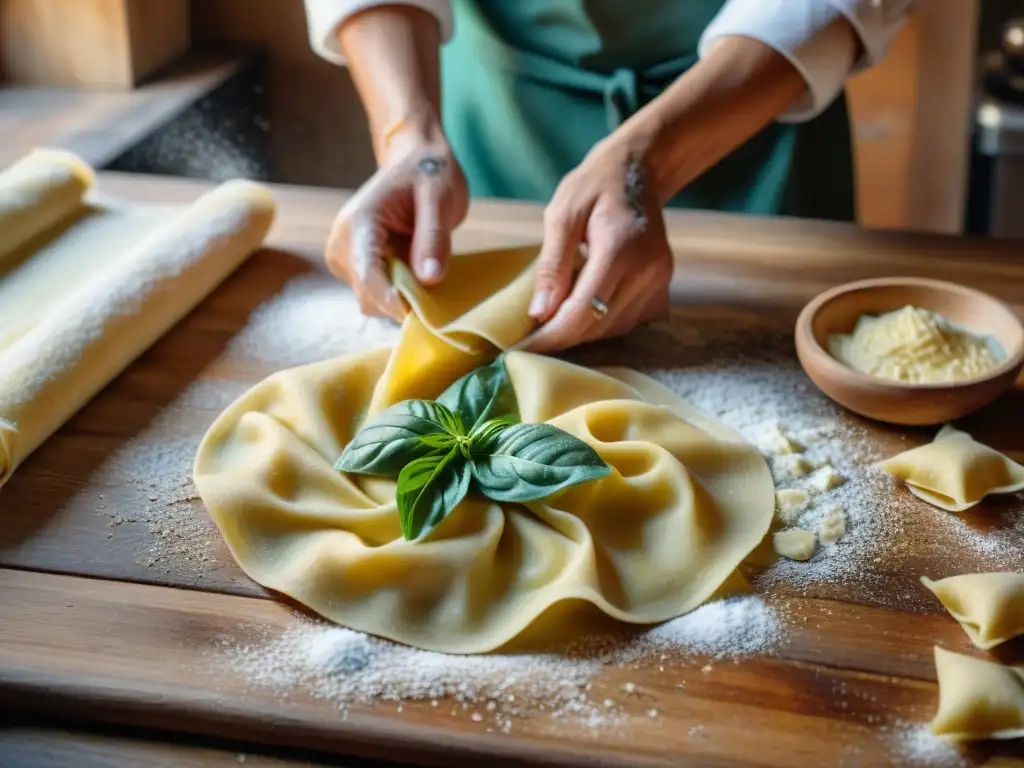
837	311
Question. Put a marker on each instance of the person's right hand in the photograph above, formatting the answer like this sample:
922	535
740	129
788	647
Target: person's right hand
408	208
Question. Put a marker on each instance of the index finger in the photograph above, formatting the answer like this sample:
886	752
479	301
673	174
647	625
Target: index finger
356	252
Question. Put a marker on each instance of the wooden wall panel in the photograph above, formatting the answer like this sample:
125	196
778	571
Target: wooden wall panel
912	119
90	43
318	128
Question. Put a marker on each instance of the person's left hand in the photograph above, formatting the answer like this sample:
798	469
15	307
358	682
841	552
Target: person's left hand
607	206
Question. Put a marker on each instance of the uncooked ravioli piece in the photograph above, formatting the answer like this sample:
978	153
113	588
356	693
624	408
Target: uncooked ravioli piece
687	501
955	472
989	606
978	699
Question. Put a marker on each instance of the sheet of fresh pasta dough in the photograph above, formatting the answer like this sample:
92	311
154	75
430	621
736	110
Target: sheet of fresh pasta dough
87	286
955	472
686	502
978	699
989	606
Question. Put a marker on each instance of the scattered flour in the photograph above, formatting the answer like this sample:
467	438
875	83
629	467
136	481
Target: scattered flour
916	745
314	318
725	628
347	667
152	473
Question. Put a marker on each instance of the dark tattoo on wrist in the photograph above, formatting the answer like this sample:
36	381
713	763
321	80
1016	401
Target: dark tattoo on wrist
431	165
636	182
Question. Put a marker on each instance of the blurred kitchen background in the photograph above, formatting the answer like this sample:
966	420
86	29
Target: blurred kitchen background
221	88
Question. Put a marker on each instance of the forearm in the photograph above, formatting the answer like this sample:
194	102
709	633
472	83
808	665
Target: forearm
393	55
737	89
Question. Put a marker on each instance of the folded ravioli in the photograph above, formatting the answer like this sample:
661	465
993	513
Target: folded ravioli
955	472
686	502
978	699
989	606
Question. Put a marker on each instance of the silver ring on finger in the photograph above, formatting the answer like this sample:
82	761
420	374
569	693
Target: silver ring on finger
599	307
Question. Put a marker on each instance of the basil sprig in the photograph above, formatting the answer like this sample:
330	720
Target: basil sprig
469	438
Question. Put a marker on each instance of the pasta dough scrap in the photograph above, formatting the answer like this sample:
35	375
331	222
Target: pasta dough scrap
989	606
59	349
978	699
687	501
955	472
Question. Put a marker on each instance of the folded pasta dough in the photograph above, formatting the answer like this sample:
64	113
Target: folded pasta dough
978	699
37	193
989	606
89	338
955	472
688	498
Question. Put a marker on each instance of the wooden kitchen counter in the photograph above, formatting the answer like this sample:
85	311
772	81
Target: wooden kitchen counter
92	630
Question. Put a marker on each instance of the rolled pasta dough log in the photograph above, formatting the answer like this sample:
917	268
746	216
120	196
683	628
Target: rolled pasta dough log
75	350
955	472
989	606
37	193
978	699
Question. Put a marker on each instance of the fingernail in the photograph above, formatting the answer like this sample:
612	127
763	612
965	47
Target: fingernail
431	269
539	303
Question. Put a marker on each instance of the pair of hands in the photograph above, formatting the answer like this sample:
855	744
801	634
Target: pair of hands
604	208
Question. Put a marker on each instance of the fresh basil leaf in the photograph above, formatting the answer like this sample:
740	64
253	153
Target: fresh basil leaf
481	395
441	441
450	420
429	488
527	462
394	437
484	433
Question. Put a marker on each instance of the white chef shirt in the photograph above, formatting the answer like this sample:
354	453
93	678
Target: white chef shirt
800	30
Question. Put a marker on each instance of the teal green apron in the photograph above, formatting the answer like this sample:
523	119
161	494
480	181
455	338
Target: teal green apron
530	86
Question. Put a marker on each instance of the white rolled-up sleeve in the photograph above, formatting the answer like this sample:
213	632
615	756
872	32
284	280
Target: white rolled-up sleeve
810	35
323	17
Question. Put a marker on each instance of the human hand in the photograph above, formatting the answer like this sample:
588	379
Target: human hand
606	206
409	207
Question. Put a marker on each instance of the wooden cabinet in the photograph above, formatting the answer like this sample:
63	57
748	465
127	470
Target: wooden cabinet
90	43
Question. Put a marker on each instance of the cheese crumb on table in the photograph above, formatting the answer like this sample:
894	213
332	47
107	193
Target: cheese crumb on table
777	442
833	525
795	544
791	502
827	479
793	465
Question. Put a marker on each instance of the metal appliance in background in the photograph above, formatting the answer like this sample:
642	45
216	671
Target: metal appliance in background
996	200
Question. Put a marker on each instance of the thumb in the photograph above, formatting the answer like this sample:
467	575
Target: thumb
431	239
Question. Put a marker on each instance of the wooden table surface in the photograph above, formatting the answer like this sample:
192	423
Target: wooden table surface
97	630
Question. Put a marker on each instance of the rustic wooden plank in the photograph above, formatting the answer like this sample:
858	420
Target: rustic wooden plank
100	125
146	656
35	746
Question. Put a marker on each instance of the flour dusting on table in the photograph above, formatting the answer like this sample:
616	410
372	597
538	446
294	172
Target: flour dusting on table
314	318
916	745
349	668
